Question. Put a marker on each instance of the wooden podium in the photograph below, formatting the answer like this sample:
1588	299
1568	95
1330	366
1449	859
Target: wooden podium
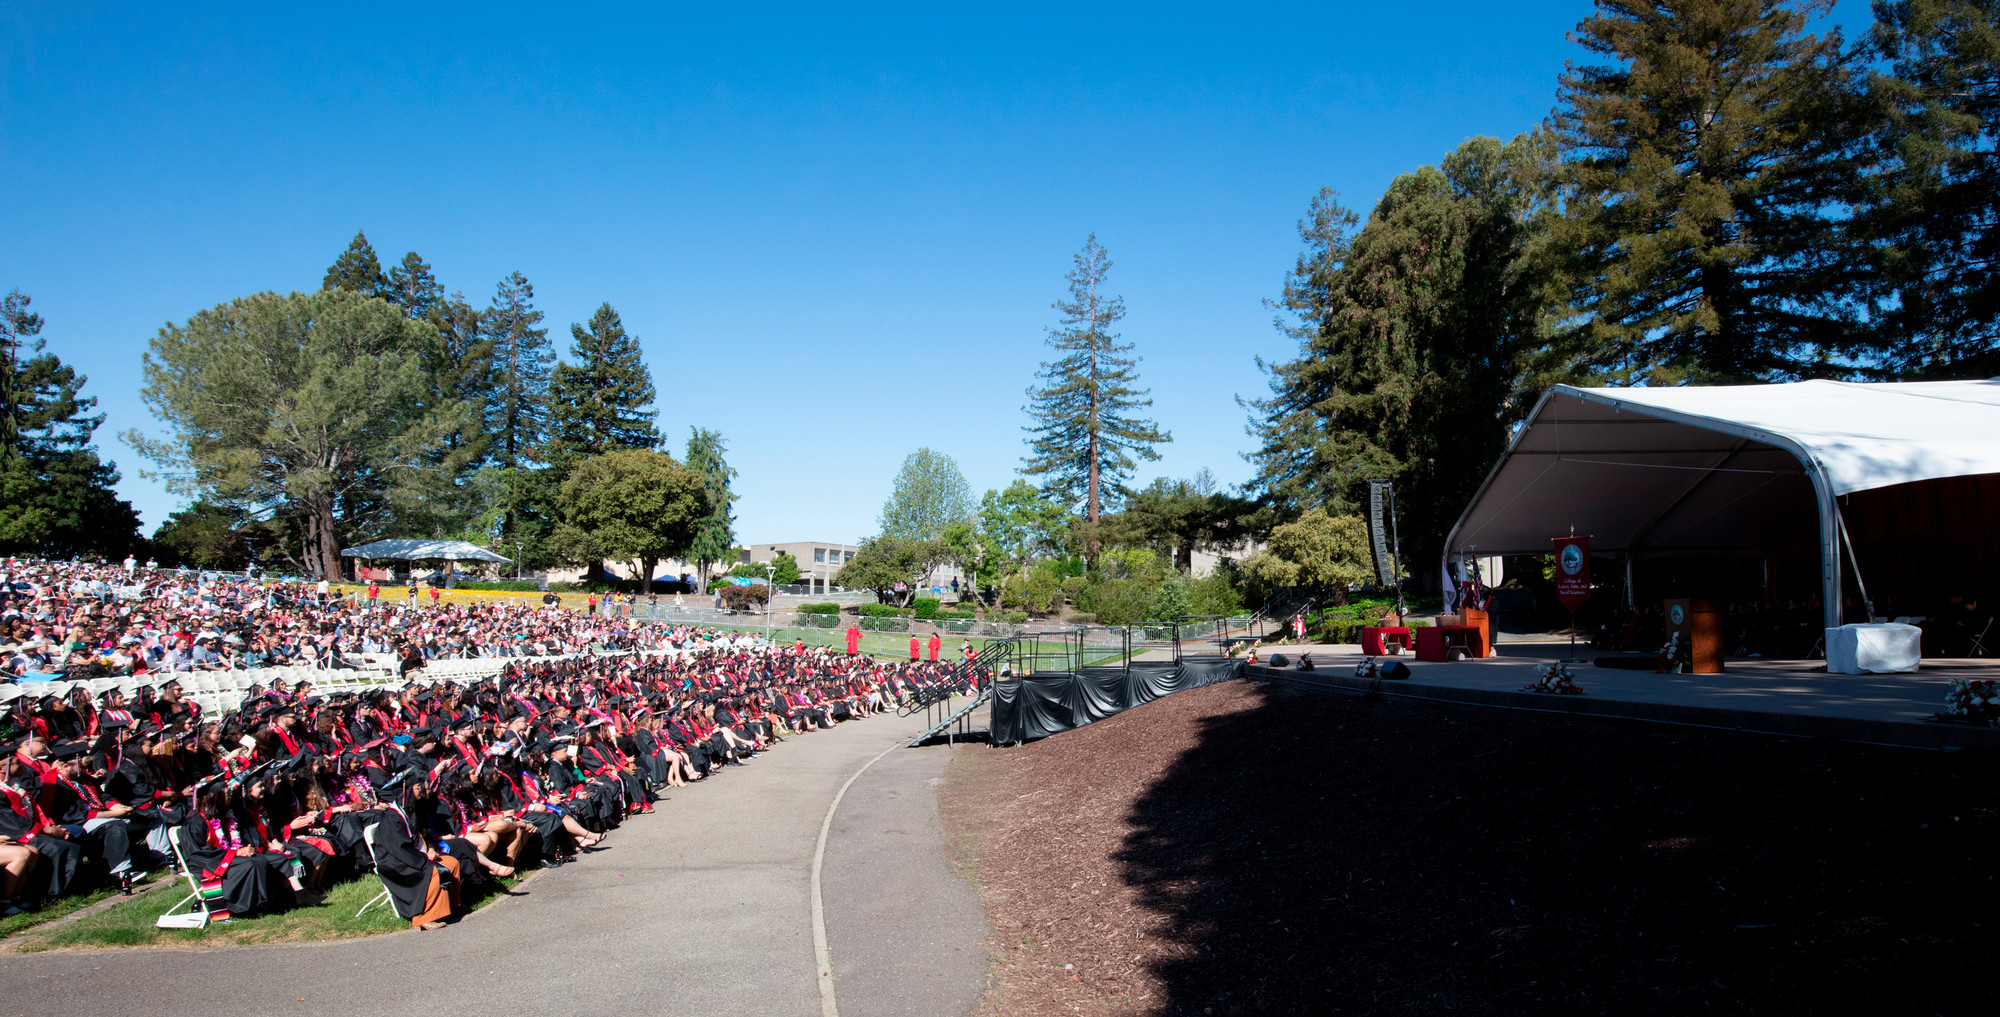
1699	624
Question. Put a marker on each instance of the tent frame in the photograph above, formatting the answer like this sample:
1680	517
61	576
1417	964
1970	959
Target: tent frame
1830	528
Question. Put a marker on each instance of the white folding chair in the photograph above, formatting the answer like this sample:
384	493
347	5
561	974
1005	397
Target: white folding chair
368	838
1978	648
199	901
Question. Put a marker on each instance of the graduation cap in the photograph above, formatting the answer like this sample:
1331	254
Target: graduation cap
274	709
69	750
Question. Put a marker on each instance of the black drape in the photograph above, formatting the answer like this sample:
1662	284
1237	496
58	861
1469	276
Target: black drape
1046	702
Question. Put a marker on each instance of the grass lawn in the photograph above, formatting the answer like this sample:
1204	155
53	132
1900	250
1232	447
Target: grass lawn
131	923
54	908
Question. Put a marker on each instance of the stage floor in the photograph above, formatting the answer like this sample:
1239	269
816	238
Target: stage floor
1781	688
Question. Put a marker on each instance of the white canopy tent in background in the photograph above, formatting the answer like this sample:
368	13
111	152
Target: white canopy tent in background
1656	471
424	550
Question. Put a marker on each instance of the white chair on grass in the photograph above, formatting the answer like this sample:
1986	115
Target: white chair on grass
202	902
368	838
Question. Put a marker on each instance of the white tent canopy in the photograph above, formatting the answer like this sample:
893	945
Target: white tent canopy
1654	471
424	550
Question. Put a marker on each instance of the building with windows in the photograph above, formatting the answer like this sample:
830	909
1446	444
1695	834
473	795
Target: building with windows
818	559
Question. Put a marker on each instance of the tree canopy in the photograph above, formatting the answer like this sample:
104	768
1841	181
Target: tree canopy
631	505
929	494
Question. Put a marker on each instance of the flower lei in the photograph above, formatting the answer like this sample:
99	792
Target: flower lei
1555	679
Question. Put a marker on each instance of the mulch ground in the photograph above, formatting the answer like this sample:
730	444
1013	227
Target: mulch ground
1246	849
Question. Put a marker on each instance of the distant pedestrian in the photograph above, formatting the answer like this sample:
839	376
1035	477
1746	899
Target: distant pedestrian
853	639
935	644
916	653
374	593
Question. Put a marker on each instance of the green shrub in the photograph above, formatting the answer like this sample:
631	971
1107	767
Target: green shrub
877	623
1015	617
819	621
959	626
1083	619
819	608
881	611
501	585
926	608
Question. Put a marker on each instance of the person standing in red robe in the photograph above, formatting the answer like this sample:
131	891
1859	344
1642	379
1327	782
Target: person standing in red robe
853	640
915	654
936	644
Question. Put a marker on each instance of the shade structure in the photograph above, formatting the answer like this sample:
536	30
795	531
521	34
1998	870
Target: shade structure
424	550
1661	471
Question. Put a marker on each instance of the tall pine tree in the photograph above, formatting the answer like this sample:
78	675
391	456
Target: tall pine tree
1412	335
412	287
602	398
1085	433
518	413
1934	206
1707	161
357	270
57	497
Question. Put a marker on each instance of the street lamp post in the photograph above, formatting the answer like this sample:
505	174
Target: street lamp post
517	561
770	576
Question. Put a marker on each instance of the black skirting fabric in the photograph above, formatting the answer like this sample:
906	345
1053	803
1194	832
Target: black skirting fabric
1048	702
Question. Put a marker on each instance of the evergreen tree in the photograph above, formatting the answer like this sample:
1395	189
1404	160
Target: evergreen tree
1085	436
521	360
1934	207
412	287
518	414
602	399
715	537
1414	332
357	270
1705	169
57	497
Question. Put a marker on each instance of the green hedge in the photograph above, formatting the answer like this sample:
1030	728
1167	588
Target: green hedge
879	624
819	608
819	621
959	626
502	585
926	608
881	611
1015	617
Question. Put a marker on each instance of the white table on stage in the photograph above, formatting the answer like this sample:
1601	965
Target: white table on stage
1876	648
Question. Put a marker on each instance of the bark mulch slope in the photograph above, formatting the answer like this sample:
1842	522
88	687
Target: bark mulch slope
1248	849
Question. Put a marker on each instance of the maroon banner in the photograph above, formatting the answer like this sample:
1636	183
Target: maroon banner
1572	571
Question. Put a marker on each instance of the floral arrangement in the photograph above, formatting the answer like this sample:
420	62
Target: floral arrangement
1973	701
1367	668
1555	680
1675	657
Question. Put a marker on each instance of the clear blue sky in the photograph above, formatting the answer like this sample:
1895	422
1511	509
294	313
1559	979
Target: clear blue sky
838	233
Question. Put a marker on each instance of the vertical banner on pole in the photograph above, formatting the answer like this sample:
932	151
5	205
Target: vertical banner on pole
1572	571
1378	532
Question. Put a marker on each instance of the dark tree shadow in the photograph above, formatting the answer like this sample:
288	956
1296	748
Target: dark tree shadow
1324	853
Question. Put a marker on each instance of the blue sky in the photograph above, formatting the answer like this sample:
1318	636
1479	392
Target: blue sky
837	232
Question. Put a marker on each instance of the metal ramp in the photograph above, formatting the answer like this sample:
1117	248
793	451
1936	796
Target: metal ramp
974	676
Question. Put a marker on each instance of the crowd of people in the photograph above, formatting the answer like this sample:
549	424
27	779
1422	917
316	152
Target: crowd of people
434	786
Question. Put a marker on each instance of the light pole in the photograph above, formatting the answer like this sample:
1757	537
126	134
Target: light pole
770	574
517	561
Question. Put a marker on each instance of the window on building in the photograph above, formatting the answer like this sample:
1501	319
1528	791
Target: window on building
819	556
745	559
850	556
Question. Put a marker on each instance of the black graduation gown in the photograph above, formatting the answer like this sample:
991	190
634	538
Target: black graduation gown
249	885
405	869
56	869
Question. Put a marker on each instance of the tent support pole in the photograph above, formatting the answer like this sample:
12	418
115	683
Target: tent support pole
1867	603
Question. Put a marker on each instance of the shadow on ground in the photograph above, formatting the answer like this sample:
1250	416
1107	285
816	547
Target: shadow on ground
1321	853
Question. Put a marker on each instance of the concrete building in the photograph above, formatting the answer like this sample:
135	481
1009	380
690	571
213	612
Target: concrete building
818	559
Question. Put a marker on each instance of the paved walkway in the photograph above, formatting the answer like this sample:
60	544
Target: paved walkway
703	908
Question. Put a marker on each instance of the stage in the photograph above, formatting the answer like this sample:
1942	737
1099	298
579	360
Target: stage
1787	697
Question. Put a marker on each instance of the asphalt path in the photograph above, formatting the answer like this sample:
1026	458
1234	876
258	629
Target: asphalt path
703	908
